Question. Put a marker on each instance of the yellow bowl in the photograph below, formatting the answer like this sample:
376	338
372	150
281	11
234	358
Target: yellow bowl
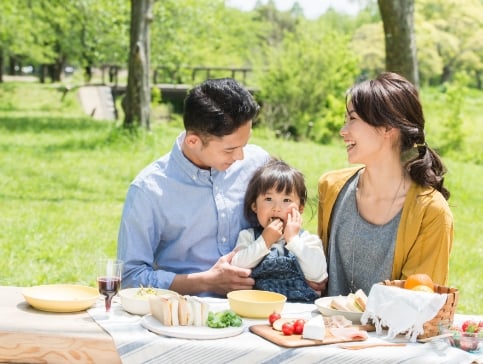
255	303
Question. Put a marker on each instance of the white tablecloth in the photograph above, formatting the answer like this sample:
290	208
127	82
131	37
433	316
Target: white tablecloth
136	345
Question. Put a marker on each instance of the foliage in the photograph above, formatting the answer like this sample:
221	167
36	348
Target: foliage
65	32
302	83
456	33
199	33
452	140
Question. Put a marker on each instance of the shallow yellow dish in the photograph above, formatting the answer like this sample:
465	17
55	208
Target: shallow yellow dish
255	303
61	297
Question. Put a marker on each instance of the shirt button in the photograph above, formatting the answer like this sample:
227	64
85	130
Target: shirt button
223	240
223	215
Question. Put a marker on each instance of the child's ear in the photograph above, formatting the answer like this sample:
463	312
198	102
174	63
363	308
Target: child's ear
301	208
254	207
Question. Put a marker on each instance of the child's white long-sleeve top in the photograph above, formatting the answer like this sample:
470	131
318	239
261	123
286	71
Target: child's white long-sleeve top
306	247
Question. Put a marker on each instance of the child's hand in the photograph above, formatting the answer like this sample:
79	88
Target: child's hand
294	224
273	232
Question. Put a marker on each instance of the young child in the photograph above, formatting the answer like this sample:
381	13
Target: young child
281	255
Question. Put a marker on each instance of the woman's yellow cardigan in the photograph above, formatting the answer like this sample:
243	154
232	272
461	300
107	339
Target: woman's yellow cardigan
425	233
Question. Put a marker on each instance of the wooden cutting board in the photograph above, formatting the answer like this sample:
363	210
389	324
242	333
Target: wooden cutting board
295	341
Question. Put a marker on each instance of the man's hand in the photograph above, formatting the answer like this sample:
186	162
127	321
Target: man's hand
224	277
221	278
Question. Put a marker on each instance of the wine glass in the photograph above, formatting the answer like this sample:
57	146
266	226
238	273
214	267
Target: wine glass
109	278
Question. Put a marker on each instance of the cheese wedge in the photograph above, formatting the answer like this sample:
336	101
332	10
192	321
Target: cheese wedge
314	329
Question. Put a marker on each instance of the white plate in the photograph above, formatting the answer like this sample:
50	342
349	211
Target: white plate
323	305
189	332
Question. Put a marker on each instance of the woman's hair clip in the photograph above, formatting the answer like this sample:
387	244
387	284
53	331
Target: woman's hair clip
416	145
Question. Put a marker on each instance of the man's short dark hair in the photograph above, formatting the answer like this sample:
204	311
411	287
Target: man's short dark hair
218	107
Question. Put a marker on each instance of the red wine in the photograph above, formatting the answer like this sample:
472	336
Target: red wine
109	286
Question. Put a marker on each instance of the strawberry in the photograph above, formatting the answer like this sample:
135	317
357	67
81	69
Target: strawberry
470	326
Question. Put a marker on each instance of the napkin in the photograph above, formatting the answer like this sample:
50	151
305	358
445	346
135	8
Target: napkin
401	310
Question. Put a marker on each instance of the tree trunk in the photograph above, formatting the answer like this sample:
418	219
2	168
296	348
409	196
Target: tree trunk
398	19
1	65
138	94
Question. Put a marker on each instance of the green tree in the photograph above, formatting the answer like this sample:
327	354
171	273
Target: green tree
453	32
304	82
200	33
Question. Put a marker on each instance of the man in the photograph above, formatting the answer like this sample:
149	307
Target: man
183	213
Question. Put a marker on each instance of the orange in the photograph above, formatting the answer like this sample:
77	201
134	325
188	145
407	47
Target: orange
422	288
419	279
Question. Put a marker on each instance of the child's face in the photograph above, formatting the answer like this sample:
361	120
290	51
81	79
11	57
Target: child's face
275	205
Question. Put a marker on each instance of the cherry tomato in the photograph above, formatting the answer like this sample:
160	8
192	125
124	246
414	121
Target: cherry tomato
287	328
298	327
274	316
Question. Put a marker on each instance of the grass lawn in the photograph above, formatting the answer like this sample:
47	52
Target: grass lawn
64	176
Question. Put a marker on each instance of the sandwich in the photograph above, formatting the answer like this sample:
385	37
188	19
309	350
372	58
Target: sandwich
360	299
354	302
179	310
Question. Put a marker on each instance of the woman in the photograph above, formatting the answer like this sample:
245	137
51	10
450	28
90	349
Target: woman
388	218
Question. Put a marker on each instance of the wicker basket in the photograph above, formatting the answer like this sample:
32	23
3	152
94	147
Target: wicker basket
446	313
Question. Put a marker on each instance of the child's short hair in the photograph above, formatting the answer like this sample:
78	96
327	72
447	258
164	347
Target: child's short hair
275	174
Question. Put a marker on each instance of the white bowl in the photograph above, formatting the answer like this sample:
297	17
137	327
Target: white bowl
134	302
323	305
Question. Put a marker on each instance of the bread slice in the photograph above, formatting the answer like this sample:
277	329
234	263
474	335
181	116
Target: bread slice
361	299
185	312
174	307
161	309
200	311
352	303
339	303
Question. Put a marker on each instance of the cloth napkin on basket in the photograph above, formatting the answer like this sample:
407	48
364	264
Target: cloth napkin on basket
401	311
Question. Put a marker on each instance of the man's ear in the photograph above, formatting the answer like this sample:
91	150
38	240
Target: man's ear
191	140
